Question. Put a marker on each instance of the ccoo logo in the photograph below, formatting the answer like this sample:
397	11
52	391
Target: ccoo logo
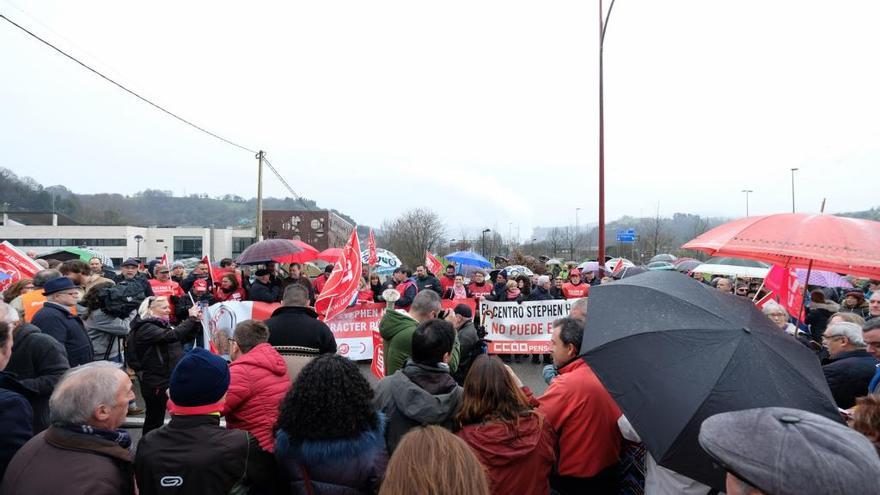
169	481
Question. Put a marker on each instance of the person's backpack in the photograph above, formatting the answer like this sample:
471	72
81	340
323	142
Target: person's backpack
123	298
132	360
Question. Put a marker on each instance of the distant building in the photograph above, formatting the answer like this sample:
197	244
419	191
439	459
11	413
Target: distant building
321	229
46	232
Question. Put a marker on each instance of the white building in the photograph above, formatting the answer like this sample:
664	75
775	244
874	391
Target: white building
48	232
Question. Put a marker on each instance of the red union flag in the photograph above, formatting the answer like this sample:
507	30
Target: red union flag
342	285
164	261
15	265
371	246
789	292
432	263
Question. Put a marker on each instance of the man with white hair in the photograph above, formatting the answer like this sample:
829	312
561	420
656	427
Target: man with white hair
541	291
850	367
83	452
38	362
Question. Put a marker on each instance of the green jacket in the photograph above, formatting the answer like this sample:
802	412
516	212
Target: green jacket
397	330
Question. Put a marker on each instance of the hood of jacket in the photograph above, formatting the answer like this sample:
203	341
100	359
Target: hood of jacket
263	356
500	444
419	404
395	321
138	322
317	452
827	306
295	310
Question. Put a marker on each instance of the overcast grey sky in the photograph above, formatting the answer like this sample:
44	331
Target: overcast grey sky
485	111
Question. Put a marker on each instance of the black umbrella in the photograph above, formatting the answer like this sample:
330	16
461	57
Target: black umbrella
673	352
629	271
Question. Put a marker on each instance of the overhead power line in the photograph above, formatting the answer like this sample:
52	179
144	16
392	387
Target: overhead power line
120	86
284	182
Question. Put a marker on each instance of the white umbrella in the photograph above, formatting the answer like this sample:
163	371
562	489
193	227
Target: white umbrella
732	270
517	270
386	262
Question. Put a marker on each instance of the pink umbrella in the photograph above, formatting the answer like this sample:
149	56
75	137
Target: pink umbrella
823	278
330	255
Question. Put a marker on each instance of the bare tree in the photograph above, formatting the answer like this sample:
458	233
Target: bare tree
413	233
554	241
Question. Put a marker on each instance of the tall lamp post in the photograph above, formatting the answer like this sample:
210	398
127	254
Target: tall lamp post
483	235
747	191
577	232
793	170
603	26
138	238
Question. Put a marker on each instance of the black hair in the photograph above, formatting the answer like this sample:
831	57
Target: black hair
571	332
400	269
330	399
431	340
75	266
225	262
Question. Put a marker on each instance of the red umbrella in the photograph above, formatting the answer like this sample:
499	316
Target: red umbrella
799	240
266	251
308	253
330	255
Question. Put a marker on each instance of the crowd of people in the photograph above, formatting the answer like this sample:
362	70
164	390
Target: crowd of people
447	418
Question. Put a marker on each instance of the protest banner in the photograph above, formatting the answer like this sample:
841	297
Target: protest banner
378	365
522	328
352	328
15	265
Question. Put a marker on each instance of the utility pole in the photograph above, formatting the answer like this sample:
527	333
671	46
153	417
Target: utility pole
259	232
793	170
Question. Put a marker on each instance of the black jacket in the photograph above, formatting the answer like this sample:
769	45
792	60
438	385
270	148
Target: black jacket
58	322
539	294
430	282
38	362
818	316
263	293
158	347
302	280
471	347
139	278
196	456
15	419
187	283
848	375
295	325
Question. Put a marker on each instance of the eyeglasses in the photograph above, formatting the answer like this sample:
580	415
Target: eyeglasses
165	271
830	337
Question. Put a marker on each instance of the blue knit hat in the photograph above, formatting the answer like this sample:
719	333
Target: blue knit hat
199	379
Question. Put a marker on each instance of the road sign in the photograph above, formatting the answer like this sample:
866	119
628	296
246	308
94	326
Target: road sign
626	236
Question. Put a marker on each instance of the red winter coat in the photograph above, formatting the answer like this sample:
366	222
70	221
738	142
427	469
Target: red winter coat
578	406
571	291
258	381
517	459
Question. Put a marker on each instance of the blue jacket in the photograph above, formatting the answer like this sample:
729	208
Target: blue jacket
15	419
334	467
58	322
872	386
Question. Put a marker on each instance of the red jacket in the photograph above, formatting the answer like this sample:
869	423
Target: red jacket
571	291
221	296
446	282
319	282
585	415
518	459
257	383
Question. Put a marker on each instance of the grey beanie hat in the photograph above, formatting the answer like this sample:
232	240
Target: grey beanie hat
784	451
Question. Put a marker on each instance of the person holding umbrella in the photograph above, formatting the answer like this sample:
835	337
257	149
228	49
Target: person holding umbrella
577	405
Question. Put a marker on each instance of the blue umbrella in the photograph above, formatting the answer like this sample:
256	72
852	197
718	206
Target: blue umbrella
468	258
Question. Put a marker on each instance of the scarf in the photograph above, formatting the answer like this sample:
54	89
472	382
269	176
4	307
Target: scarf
119	437
513	293
459	292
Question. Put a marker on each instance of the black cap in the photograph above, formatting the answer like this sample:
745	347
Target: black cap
464	311
261	272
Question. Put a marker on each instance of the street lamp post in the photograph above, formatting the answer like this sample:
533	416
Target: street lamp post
138	238
793	170
747	191
577	232
603	25
483	235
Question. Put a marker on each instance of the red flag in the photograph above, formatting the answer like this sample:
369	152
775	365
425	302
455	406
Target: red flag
764	300
211	275
371	246
618	267
783	282
378	364
342	285
164	260
432	263
15	265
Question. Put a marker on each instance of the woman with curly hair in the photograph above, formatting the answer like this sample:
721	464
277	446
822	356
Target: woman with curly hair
329	438
515	443
433	461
